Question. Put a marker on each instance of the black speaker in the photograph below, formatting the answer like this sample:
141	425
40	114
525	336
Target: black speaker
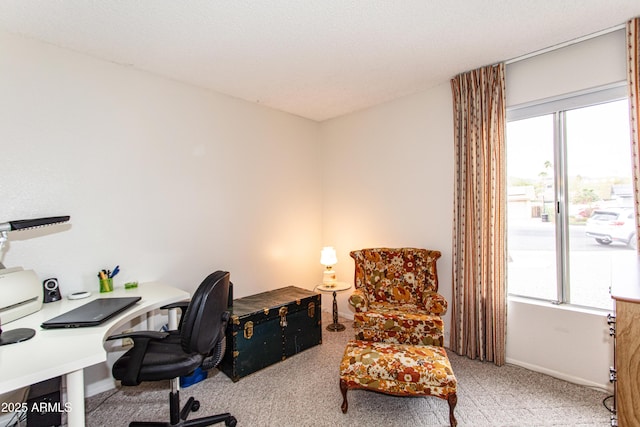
51	290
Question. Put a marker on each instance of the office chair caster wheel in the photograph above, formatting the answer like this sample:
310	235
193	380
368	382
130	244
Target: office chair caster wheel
195	405
231	422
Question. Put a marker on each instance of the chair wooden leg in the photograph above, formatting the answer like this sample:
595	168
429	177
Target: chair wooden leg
343	389
453	401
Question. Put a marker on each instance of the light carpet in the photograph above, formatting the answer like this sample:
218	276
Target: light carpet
303	391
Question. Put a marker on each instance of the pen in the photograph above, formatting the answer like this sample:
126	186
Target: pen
116	270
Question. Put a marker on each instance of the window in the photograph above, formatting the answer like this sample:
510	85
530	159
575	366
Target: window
569	197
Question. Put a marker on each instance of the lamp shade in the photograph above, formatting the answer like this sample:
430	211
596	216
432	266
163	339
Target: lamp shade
328	256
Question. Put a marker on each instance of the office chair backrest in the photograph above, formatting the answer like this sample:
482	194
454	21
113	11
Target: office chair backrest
206	316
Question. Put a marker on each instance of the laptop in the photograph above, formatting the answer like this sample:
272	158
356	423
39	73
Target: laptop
92	313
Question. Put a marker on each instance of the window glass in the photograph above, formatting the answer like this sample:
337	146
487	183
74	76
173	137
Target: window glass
570	201
601	222
531	235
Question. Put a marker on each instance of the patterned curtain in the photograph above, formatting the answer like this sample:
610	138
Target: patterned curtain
633	66
479	227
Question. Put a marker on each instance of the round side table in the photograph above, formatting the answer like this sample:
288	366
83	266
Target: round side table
338	287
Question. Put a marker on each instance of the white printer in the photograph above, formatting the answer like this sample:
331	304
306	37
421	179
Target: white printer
20	293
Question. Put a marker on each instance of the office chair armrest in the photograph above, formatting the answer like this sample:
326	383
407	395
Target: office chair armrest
182	305
141	341
154	335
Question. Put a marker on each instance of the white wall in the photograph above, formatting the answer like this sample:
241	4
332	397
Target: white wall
167	180
564	342
388	181
568	343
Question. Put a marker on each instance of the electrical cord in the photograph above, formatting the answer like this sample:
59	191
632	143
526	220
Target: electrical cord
604	402
17	419
104	400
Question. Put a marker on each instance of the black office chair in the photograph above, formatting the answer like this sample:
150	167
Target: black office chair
157	356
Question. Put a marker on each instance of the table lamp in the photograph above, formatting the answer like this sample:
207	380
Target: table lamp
328	258
21	334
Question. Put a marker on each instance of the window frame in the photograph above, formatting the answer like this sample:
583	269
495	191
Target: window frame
558	106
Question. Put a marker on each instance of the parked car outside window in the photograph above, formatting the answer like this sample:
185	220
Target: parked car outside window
612	225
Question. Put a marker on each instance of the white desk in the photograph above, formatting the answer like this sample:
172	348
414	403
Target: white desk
66	352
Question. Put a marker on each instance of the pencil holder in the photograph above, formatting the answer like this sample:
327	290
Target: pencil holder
106	285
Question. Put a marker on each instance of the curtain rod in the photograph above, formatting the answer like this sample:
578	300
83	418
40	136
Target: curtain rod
565	44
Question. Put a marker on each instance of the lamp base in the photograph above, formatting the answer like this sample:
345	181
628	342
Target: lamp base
336	327
329	277
16	336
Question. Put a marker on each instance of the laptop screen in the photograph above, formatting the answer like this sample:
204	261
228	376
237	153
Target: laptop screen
92	313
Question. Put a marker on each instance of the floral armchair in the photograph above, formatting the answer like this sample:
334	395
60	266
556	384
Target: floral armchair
396	296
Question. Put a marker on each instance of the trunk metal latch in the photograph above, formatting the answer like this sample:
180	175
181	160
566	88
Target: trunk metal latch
283	316
311	310
248	330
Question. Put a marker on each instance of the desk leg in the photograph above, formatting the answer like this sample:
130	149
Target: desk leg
75	396
151	324
172	319
335	326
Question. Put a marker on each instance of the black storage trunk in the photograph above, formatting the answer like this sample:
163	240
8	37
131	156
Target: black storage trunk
267	328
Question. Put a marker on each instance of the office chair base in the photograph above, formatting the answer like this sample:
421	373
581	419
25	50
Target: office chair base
229	421
179	416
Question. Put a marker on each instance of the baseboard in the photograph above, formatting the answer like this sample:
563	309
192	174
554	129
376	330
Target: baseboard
608	388
348	315
329	311
98	387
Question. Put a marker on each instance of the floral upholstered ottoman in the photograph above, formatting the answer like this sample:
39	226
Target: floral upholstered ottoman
398	369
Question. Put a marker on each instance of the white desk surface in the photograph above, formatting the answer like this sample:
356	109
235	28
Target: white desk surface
55	352
625	279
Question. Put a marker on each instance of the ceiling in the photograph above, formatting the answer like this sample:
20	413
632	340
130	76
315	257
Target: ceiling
317	59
